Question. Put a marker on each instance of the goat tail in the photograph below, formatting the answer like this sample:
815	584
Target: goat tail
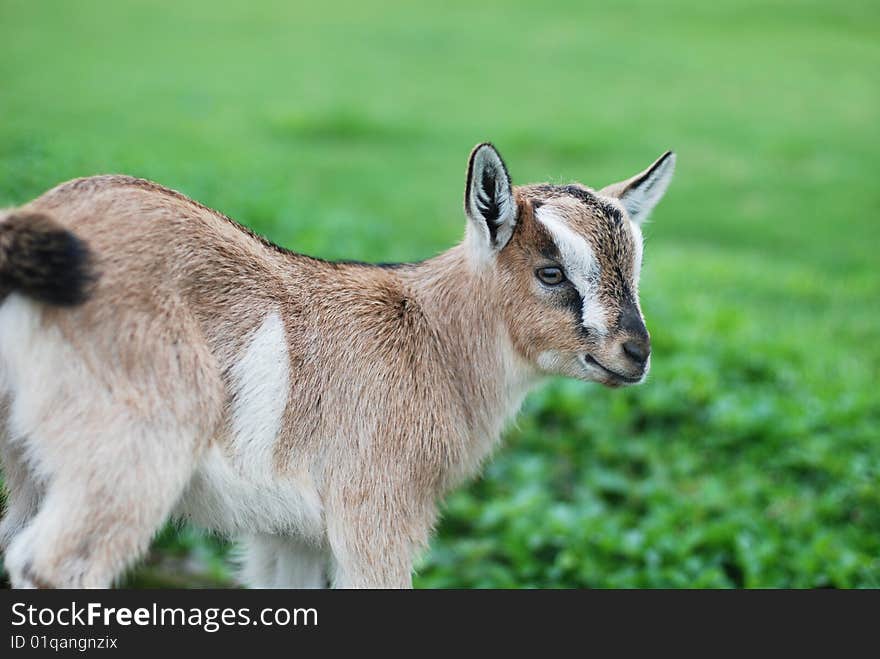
41	259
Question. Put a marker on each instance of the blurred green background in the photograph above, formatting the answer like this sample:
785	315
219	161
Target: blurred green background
341	129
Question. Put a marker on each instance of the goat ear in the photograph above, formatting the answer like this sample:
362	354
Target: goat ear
488	197
641	193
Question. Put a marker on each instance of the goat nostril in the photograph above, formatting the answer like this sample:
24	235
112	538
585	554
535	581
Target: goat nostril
637	350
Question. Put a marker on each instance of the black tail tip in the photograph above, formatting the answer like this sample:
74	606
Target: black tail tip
65	278
46	262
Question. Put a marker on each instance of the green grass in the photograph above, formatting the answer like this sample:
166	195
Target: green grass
752	456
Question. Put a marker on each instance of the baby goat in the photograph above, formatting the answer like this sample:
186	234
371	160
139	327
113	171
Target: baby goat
158	360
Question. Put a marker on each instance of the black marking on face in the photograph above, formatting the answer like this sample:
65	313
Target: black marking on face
630	321
551	253
570	298
566	296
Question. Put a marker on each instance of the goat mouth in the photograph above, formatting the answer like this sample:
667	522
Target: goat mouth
589	360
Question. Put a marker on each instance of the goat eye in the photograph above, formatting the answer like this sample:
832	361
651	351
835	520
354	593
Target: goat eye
551	276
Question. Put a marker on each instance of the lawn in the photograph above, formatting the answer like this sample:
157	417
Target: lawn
751	457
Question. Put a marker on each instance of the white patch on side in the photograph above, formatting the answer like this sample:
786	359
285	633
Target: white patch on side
581	268
261	387
238	489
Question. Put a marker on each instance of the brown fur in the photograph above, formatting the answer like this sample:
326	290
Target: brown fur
400	378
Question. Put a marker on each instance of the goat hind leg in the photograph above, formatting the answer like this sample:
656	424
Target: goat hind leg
23	490
94	522
22	493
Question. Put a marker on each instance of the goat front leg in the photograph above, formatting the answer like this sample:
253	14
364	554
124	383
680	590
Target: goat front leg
272	561
375	542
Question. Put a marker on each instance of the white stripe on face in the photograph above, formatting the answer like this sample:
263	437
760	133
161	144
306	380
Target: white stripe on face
581	267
